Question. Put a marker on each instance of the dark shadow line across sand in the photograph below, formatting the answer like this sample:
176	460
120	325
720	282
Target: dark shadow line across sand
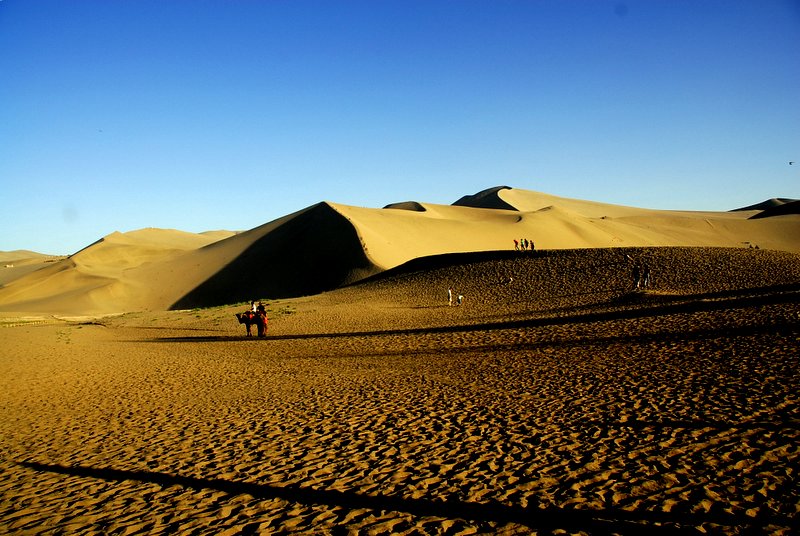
640	298
662	296
599	521
587	341
586	318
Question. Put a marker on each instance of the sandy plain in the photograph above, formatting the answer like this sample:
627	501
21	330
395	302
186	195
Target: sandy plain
556	399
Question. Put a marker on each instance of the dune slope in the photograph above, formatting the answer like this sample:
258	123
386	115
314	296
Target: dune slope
316	250
329	245
102	277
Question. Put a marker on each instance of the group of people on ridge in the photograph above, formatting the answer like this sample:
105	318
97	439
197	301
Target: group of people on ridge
524	244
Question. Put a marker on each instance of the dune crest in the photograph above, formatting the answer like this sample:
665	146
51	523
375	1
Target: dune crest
768	204
329	245
310	251
101	278
407	205
791	207
489	198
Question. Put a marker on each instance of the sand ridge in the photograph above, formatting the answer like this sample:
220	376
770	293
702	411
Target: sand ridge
329	245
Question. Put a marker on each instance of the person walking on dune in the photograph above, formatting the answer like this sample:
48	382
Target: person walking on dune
450	296
646	276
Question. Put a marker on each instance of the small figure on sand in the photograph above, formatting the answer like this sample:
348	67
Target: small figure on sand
516	245
637	276
645	276
256	315
459	298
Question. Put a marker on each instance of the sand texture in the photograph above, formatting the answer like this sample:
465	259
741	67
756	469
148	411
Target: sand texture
557	399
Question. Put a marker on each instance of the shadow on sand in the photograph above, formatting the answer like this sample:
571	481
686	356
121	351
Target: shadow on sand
596	521
698	303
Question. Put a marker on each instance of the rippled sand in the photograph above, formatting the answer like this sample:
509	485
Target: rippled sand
560	401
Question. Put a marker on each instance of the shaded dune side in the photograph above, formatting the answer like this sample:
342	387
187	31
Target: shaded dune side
765	205
790	207
488	198
315	251
413	206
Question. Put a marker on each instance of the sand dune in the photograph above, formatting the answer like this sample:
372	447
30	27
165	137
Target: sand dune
558	399
768	204
102	277
791	207
19	255
329	245
307	252
16	264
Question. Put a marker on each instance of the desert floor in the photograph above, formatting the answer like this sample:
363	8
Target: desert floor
556	398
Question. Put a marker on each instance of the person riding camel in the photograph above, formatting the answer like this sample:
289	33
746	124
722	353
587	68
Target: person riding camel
261	319
257	316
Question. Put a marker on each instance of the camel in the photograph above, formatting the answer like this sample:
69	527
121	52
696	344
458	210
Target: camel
248	318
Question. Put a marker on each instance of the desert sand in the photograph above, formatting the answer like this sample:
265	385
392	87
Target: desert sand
557	399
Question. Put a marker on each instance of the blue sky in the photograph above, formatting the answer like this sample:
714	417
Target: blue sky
226	114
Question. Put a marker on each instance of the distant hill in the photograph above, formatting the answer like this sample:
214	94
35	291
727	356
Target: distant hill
489	198
775	202
789	207
407	205
328	245
19	255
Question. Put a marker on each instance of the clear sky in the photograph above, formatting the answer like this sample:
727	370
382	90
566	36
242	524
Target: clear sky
226	114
